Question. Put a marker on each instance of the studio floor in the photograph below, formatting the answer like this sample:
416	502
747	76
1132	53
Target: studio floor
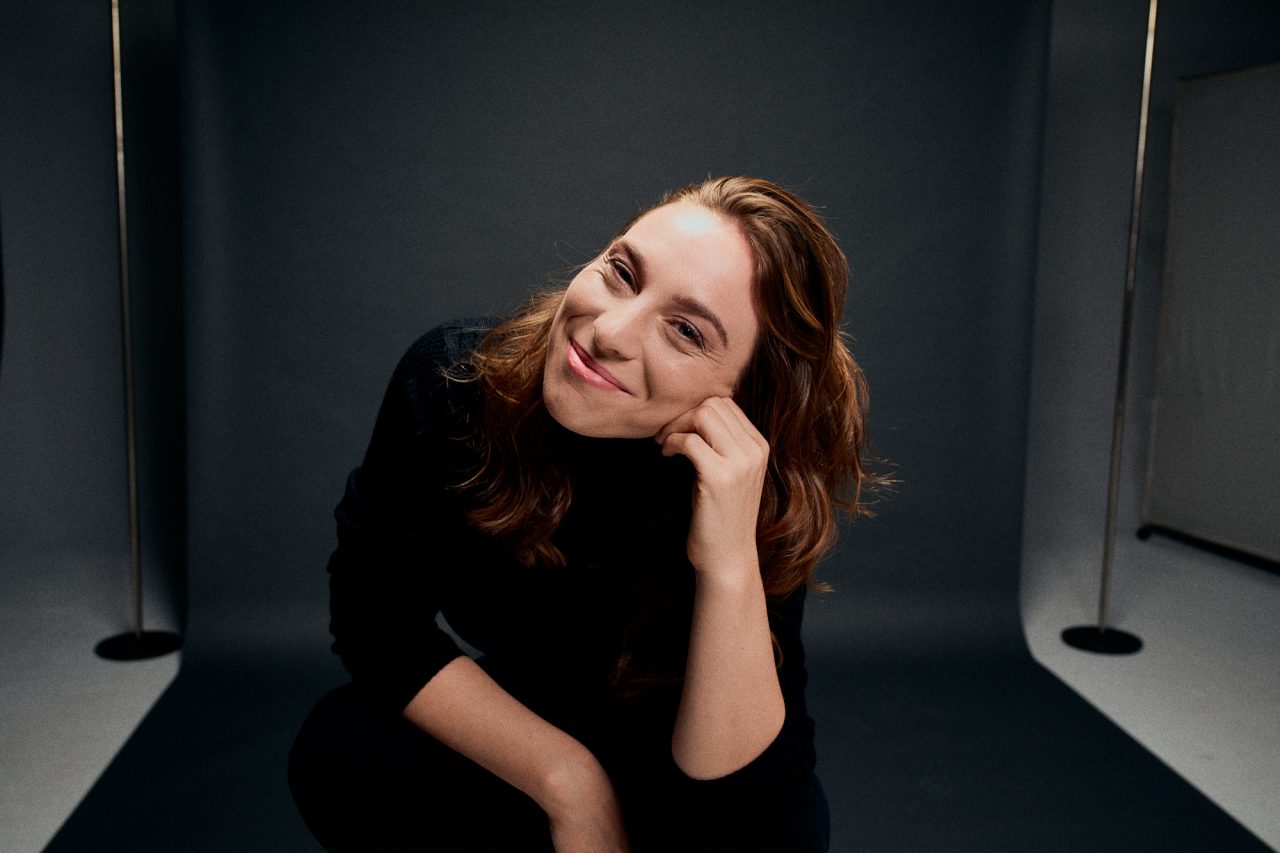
66	711
1200	695
977	750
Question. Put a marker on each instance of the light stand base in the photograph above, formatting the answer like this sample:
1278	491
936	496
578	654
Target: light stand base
138	646
1091	638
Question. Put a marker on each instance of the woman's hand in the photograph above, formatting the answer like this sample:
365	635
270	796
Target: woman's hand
731	458
731	705
585	816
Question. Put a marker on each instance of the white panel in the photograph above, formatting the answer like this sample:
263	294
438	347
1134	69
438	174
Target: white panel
1214	465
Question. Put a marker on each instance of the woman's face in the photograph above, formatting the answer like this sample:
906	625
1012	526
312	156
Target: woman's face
662	320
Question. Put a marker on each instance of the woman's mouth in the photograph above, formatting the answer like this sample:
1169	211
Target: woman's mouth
589	371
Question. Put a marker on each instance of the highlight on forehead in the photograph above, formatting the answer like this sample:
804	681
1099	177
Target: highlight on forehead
697	219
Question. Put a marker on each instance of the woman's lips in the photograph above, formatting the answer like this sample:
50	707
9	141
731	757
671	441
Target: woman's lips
586	369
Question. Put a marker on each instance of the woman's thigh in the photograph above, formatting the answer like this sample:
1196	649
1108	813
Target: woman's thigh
776	806
367	779
679	820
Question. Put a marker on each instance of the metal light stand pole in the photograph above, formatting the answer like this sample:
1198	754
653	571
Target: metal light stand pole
136	644
1100	638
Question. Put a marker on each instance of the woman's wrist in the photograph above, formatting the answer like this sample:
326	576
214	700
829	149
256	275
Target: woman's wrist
732	567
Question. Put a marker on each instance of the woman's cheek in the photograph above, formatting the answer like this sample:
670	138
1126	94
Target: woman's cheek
693	391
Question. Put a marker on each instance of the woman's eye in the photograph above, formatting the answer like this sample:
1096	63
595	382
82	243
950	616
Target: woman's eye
688	331
620	270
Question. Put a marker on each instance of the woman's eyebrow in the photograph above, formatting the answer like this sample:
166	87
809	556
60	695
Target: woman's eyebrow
693	306
684	303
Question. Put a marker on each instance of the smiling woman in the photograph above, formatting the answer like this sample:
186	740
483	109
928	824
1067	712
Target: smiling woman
645	319
618	496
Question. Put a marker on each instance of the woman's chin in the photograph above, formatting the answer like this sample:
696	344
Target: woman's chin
591	420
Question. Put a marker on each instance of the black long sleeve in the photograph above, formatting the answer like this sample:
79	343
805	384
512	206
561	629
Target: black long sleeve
555	632
386	575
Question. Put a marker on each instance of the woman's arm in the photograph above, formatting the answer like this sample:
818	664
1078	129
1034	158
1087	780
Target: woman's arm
731	707
465	709
386	579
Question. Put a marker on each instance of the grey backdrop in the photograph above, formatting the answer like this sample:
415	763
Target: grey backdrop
352	176
62	431
61	409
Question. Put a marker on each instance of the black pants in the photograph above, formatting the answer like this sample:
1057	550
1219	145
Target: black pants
365	779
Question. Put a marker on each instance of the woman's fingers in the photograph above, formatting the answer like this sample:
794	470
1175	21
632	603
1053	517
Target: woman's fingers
720	423
724	446
692	445
730	457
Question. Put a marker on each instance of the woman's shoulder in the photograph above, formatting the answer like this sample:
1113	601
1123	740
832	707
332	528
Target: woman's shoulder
432	376
447	347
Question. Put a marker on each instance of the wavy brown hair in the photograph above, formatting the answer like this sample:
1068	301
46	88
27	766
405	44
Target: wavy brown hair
801	388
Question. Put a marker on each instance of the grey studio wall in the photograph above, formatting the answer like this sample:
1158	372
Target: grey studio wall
62	416
354	175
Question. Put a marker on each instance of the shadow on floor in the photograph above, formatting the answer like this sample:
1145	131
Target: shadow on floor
995	755
926	755
205	771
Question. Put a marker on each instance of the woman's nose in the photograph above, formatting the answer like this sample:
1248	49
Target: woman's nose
616	330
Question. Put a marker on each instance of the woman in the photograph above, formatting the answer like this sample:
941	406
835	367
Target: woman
619	497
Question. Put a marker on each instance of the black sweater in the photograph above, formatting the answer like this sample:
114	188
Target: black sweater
551	635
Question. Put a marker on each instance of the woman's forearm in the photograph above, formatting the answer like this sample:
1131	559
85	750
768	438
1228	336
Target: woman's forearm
731	707
468	711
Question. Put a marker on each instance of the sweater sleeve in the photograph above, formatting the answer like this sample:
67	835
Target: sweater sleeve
776	781
394	527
